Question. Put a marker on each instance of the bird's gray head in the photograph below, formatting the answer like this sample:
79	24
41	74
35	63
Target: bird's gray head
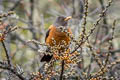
62	21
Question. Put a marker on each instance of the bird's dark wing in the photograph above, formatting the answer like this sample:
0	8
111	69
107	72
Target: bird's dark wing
46	58
47	34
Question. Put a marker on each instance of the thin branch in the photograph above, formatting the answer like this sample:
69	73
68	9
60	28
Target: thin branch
110	51
81	10
73	6
14	6
95	25
13	71
36	42
31	19
62	70
31	11
104	19
7	54
24	42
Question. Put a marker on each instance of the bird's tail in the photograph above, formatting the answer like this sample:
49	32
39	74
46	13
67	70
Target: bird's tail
46	58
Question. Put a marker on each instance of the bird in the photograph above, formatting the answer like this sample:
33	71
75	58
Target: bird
54	33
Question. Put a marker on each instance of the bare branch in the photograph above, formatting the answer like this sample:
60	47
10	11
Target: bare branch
7	54
62	70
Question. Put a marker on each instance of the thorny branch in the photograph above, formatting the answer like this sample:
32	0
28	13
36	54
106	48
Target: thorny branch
91	31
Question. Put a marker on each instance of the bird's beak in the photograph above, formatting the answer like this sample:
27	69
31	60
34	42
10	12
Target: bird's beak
67	18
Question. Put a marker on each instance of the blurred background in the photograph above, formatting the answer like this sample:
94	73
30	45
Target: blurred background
33	17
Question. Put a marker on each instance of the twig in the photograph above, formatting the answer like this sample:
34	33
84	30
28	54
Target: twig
99	19
97	59
84	21
92	30
9	66
15	5
110	51
31	19
81	10
104	19
13	71
62	70
31	11
7	54
24	42
36	42
104	68
73	6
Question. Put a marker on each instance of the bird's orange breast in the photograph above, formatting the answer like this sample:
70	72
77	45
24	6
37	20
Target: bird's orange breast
57	36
